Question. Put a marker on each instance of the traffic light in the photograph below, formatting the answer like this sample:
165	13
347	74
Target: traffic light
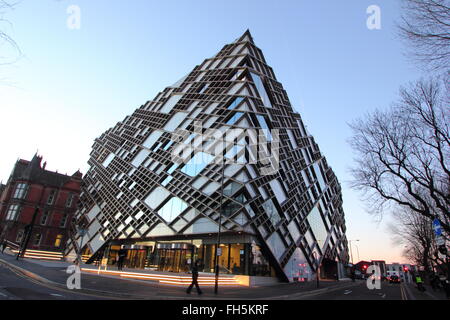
365	267
405	268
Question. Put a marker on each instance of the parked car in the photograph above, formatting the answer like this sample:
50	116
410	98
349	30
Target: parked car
394	279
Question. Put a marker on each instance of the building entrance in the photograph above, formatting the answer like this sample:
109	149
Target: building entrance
174	257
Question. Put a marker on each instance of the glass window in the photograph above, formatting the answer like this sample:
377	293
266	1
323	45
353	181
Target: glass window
230	207
259	265
172	209
271	212
156	197
63	221
108	160
37	239
261	90
175	121
235	103
203	89
140	157
231	188
21	191
234	118
264	126
276	245
318	226
170	103
241	198
19	237
237	259
151	139
58	240
69	201
13	212
198	162
44	218
51	197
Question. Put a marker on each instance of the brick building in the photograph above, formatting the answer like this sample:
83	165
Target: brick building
55	195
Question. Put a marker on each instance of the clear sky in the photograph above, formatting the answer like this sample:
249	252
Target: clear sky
71	85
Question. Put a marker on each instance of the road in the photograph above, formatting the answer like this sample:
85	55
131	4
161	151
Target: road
17	287
361	292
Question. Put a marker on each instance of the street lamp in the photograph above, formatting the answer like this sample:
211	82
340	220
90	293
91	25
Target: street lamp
351	252
82	232
28	230
218	249
318	267
357	250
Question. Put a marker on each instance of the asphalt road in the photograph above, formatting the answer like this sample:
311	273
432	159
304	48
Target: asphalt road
17	287
361	292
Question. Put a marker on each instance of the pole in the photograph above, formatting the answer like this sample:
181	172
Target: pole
79	251
216	286
29	228
357	250
351	252
317	270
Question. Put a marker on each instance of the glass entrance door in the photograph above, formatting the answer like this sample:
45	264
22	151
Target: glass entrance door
174	260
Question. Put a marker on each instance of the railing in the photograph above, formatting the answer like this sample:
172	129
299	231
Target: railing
12	245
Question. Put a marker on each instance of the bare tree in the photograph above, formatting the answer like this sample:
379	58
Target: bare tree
425	26
5	39
403	153
416	234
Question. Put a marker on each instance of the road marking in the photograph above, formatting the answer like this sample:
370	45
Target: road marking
348	291
3	295
403	293
56	295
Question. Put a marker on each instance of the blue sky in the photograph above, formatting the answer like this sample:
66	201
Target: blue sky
71	85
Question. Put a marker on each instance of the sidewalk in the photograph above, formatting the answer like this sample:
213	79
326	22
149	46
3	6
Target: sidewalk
54	274
429	294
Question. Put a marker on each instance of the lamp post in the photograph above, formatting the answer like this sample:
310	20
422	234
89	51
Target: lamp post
82	232
351	252
218	249
357	250
29	228
318	268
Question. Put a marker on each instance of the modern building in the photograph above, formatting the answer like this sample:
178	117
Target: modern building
55	196
157	186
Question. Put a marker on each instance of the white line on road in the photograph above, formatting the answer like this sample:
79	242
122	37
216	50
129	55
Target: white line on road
56	295
3	295
348	291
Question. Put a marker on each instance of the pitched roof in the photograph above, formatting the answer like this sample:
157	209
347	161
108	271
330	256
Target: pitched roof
33	172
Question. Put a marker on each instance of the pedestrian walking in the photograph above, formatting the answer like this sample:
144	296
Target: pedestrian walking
4	243
194	279
121	259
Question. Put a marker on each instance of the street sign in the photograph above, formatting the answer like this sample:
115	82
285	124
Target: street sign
219	252
437	227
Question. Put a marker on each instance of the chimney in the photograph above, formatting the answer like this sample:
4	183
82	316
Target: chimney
45	165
